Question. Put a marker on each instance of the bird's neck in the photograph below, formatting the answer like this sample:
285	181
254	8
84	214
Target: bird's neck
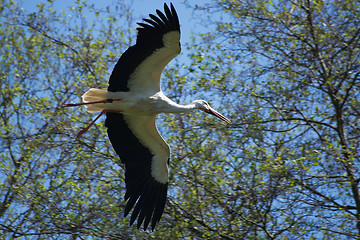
166	105
177	108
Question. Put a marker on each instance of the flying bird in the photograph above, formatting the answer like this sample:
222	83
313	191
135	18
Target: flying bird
131	103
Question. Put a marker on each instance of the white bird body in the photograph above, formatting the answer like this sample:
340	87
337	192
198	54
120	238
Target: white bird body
134	103
131	103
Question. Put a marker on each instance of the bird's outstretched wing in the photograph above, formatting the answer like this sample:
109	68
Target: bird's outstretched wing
145	155
157	43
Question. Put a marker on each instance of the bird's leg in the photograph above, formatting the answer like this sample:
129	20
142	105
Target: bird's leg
85	103
84	130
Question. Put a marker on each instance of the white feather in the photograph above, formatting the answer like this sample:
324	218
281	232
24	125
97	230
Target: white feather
147	74
144	128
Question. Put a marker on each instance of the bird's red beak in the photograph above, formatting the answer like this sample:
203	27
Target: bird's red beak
217	114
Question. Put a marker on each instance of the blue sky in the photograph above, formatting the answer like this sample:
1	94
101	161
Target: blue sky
141	9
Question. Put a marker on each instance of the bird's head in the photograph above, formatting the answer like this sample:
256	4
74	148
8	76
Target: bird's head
204	106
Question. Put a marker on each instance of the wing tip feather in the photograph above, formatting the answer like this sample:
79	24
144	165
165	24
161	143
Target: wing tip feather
149	206
169	21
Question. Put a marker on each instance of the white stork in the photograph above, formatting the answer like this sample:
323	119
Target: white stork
131	103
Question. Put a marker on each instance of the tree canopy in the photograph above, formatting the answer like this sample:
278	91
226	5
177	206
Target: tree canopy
286	73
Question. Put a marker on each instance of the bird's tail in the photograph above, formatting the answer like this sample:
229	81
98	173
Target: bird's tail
95	95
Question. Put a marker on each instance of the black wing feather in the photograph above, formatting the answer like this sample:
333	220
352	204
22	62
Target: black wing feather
158	21
163	18
148	21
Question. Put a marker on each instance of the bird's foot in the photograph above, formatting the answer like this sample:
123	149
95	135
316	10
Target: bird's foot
84	130
72	104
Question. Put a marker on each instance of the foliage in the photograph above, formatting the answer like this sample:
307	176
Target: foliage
288	166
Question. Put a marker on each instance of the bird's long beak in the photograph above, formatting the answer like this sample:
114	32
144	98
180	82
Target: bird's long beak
217	114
